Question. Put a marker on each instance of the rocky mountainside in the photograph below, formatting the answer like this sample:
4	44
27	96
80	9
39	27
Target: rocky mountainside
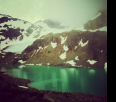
48	43
99	21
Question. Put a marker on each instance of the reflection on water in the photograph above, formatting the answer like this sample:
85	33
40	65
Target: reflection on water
84	80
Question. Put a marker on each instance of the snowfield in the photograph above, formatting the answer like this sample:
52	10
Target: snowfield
15	46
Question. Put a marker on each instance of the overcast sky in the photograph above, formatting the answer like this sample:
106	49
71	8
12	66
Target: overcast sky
70	11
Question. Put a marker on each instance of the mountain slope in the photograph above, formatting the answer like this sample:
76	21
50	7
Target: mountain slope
85	49
48	43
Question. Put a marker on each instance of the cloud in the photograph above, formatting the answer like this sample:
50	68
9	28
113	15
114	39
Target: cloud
68	11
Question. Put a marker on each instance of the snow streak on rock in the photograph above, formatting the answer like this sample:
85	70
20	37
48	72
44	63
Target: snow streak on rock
45	47
63	39
33	53
83	44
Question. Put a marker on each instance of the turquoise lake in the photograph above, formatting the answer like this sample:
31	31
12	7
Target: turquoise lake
84	80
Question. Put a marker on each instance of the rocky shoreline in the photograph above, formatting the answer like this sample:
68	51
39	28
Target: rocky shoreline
17	90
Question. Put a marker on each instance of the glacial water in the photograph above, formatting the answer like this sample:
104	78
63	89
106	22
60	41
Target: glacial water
84	80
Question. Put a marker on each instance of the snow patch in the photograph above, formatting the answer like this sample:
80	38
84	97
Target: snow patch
53	44
105	65
103	29
76	58
63	39
21	61
79	66
39	64
65	48
83	44
71	62
23	87
4	53
48	63
101	50
91	61
3	28
76	47
30	64
3	56
2	37
63	55
45	47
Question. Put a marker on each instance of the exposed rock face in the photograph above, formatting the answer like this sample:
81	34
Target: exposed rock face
97	22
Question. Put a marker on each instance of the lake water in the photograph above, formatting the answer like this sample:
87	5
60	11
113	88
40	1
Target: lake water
84	80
